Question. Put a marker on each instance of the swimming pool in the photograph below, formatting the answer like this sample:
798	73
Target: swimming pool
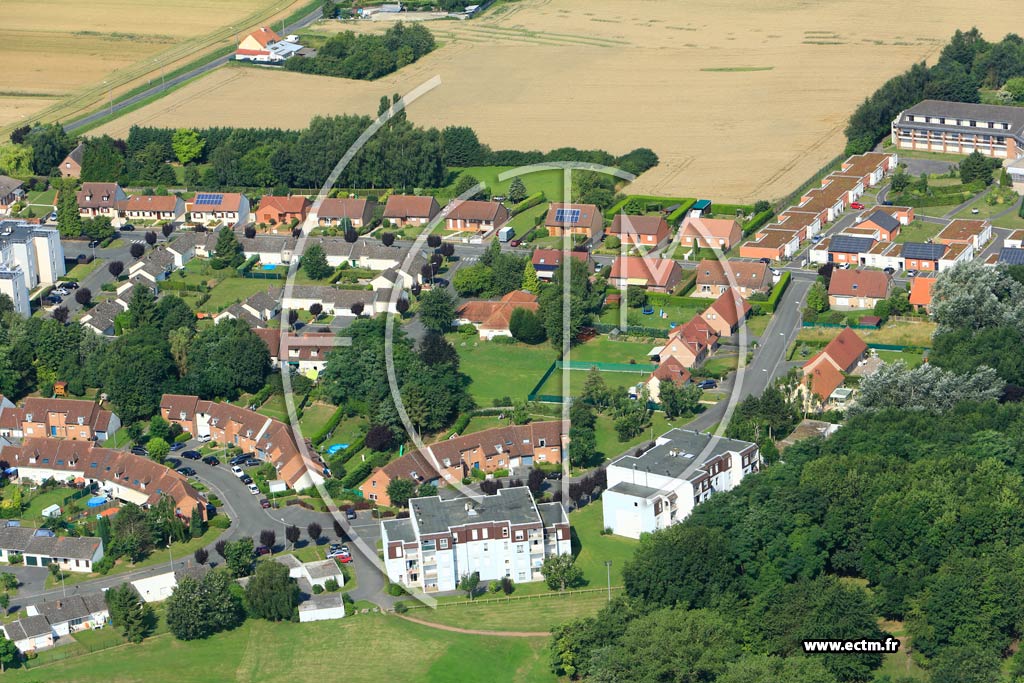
337	447
268	266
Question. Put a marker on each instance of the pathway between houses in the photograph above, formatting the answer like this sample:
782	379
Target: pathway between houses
474	632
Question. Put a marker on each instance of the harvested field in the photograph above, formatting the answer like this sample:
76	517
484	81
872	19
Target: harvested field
64	50
740	101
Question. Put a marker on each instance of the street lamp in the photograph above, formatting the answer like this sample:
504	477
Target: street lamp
608	567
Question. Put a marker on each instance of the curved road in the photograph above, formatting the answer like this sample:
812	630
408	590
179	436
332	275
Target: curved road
167	84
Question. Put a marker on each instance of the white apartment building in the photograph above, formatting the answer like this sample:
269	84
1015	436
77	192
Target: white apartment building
30	256
506	534
663	485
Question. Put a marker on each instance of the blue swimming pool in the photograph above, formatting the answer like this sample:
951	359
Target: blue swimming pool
96	501
268	266
337	447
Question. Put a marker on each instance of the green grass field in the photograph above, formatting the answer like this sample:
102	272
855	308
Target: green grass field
81	270
359	648
911	358
607	438
548	181
918	231
616	381
1011	220
315	417
275	407
677	313
347	431
903	334
499	370
234	289
44	198
986	210
606	351
594	549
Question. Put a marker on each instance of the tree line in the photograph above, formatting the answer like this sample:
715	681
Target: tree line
367	56
967	64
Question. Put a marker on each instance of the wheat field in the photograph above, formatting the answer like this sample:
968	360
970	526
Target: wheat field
740	102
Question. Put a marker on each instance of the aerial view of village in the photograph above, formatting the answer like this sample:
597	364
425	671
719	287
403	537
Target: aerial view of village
522	341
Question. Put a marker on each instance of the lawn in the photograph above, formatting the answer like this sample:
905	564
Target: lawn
918	231
81	270
408	652
44	198
757	324
593	548
549	181
533	614
675	312
1011	220
348	430
606	351
34	511
911	358
986	210
607	438
315	417
275	407
902	334
234	289
719	365
616	381
499	370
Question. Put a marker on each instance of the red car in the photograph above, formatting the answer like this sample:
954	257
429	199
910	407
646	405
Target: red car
856	205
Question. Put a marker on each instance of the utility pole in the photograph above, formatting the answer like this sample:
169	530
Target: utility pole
608	566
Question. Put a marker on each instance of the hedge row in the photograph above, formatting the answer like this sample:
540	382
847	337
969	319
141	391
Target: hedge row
757	221
940	200
356	476
684	204
730	209
773	298
179	286
528	203
247	266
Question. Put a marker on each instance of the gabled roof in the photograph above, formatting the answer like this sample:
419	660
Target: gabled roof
671	370
640	225
146	202
552	258
76	154
845	349
872	284
410	206
98	195
823	378
923	251
342	207
572	215
474	210
726	307
291	204
747	273
208	202
883	220
711	227
264	36
8	185
495	315
657	272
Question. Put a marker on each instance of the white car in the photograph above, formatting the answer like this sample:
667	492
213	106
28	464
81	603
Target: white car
253	489
237	471
204	439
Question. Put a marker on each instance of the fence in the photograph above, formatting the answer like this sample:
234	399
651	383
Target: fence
535	395
264	275
858	326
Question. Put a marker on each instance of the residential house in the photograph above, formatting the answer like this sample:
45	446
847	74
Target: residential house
359	211
921	293
640	231
583	220
961	128
499	448
159	587
871	167
654	274
491	318
661	486
404	210
10	192
726	313
41	547
744	277
29	634
974	233
710	233
826	370
309	574
858	288
100	199
475	216
504	535
30	256
281	211
184	246
804	223
66	418
690	343
229	208
881	225
155	267
100	318
307	353
672	370
71	167
154	208
923	256
265	46
119	474
1010	256
547	261
777	245
904	214
852	249
270	249
335	301
70	614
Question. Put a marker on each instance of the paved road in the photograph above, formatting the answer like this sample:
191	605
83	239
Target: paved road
167	84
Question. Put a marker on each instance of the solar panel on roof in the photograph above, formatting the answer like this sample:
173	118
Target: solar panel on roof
567	215
849	244
922	251
205	199
1011	256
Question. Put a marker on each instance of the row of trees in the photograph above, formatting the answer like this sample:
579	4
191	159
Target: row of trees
967	64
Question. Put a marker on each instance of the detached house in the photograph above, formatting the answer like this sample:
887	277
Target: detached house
921	293
10	192
100	199
333	210
713	279
547	261
882	225
727	313
475	216
826	371
403	210
710	233
654	274
492	318
647	231
153	207
71	167
229	208
275	211
671	370
858	288
583	220
690	344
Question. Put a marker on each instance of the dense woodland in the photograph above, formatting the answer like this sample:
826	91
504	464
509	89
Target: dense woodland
367	56
968	65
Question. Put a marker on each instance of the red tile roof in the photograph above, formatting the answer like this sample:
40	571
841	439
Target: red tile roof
142	202
726	307
921	291
410	206
657	272
872	284
845	349
641	225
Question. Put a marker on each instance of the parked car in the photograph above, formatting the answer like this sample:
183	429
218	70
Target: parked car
253	489
127	227
211	460
70	285
514	243
975	210
707	384
890	270
237	471
203	439
192	455
238	459
177	446
94	243
765	259
261	550
350	513
344	558
251	462
264	503
246	479
856	205
554	476
775	271
187	471
886	203
139	450
911	273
